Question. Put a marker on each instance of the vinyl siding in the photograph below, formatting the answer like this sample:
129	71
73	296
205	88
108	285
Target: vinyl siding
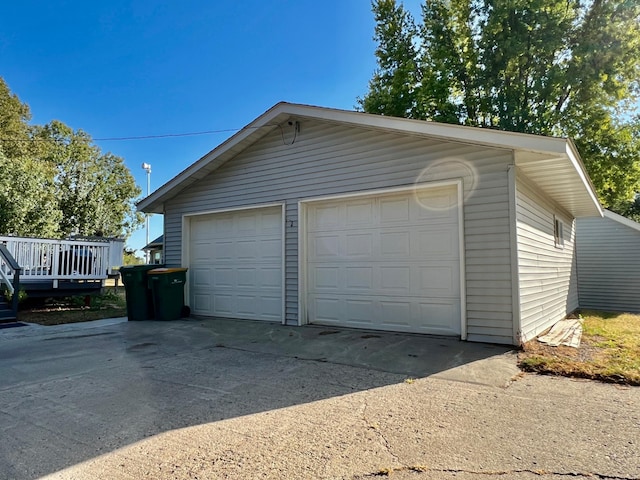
547	274
330	159
608	265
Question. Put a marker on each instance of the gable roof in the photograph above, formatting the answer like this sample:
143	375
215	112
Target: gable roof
158	242
623	220
553	163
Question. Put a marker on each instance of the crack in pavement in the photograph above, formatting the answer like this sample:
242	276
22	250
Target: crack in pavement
386	472
376	428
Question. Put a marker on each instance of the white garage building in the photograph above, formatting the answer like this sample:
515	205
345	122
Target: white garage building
323	216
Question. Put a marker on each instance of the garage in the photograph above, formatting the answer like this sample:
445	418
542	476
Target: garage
385	261
235	264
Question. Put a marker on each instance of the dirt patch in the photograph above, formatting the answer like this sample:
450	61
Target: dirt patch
588	361
58	311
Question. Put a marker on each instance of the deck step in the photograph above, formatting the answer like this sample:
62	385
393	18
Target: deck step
6	312
6	316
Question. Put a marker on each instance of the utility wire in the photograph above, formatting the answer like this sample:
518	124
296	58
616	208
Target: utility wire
167	135
143	137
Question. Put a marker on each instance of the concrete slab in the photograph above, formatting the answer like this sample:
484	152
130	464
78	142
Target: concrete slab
227	399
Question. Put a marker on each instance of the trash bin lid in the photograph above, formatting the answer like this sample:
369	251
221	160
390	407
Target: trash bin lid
125	268
162	271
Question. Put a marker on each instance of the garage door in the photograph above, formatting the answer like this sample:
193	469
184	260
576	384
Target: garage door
386	262
236	264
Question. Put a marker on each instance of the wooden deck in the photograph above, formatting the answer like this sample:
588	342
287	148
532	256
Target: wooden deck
62	267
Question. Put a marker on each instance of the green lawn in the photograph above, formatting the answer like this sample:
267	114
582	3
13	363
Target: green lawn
610	351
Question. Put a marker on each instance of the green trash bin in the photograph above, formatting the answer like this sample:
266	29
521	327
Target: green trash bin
136	288
167	287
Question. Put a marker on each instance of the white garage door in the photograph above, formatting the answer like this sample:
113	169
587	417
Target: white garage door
236	264
385	262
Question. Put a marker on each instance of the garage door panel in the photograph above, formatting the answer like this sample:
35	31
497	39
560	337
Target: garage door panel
359	278
388	313
396	267
359	244
224	277
394	244
395	279
237	272
359	213
439	281
200	277
326	246
201	303
271	249
270	278
394	211
380	279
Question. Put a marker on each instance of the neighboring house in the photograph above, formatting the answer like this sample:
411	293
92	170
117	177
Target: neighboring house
154	250
608	251
340	218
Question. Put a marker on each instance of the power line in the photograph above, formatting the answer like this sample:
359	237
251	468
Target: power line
166	135
138	137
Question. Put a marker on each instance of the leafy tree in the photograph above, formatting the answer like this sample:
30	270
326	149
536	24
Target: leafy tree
549	67
28	205
95	191
130	257
14	116
55	181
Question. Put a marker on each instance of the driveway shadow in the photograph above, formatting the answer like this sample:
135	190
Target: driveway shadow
71	394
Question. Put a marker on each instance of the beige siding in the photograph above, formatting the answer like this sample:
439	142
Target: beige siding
547	279
608	265
330	159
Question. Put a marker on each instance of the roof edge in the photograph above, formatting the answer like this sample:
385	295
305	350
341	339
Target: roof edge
156	196
623	220
449	132
576	160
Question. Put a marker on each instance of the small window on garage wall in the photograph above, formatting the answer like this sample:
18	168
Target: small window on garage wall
558	232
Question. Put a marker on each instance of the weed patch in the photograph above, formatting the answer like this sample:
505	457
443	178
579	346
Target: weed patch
609	351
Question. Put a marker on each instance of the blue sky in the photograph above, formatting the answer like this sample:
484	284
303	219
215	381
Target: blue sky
124	68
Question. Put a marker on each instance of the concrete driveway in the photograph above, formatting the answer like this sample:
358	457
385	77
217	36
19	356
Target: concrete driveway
226	399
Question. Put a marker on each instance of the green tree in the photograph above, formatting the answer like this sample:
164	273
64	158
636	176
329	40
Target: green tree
55	181
14	127
550	67
95	191
28	205
130	257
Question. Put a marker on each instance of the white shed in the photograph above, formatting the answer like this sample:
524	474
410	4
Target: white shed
324	216
608	251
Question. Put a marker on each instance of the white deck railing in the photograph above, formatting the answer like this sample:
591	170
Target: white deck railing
43	259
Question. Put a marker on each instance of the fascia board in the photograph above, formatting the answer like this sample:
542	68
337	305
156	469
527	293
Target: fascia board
623	220
574	158
147	204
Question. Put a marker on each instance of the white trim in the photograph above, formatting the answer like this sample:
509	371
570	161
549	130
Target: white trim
186	231
574	158
384	191
558	232
284	263
513	246
233	209
456	133
302	237
623	220
462	261
302	264
185	254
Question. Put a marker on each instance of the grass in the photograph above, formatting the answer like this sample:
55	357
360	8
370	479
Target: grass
609	351
58	311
